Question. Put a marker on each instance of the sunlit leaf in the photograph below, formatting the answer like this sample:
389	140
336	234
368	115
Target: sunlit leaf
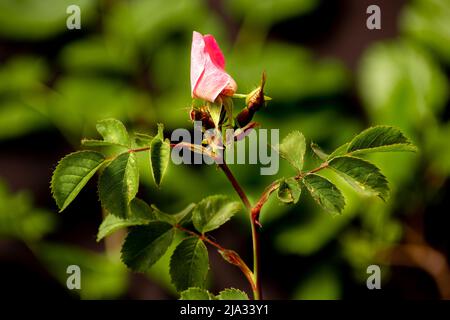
292	148
93	143
340	151
289	191
318	151
232	294
327	195
175	218
118	184
380	139
159	155
72	174
114	132
196	294
140	213
362	175
142	140
213	211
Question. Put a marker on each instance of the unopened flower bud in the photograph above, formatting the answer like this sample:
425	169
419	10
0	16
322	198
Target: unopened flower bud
245	116
202	114
230	256
256	99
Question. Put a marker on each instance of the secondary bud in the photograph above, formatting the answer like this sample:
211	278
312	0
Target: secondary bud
202	114
245	116
256	99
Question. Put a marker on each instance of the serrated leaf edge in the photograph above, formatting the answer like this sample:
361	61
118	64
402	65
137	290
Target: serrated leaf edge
231	289
315	198
377	193
52	182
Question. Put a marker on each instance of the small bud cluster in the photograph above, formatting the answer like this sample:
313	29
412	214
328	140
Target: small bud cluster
202	114
254	101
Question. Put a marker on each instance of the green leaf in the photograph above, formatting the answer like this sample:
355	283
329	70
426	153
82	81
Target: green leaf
113	131
139	209
227	110
324	192
293	148
232	294
213	211
176	218
362	175
318	151
145	245
159	155
340	151
189	264
375	139
140	213
98	143
215	110
118	184
196	294
289	191
142	140
72	174
380	139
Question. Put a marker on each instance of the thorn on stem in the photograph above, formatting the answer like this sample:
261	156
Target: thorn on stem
255	216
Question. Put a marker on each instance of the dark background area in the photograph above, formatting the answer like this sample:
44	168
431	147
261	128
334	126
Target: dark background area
329	76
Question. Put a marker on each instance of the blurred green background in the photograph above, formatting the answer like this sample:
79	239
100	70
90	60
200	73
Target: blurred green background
329	77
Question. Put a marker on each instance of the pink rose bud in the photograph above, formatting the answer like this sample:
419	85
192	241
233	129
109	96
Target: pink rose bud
208	77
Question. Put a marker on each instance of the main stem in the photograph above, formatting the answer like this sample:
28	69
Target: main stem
254	218
229	255
252	276
257	294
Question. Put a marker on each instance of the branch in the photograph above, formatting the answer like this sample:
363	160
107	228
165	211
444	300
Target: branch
228	255
256	210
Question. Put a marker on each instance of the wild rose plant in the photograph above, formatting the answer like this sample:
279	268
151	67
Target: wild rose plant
152	231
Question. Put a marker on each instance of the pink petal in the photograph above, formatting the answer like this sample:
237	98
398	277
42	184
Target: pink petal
212	48
211	83
198	59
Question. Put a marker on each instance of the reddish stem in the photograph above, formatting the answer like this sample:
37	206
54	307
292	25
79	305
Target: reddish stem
229	255
257	292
